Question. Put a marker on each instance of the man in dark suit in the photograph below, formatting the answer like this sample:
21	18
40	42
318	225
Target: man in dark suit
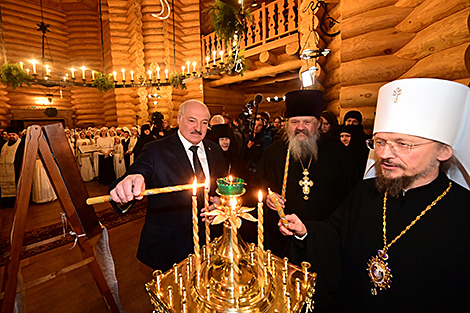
167	233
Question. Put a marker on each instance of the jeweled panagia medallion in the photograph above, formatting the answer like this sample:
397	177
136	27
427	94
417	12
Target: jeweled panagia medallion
379	272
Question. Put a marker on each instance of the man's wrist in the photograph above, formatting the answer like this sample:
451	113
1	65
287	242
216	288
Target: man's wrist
301	237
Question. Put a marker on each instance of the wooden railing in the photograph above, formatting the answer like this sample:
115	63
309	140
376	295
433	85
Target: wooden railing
273	25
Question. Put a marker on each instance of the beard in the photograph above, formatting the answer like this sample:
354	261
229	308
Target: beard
396	186
302	149
11	141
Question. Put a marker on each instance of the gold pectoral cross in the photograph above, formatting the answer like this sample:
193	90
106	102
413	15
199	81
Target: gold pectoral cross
305	183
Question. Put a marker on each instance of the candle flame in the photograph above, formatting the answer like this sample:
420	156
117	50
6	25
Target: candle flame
260	196
230	178
194	186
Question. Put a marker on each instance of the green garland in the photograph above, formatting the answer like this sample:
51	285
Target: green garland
177	81
13	75
103	82
228	20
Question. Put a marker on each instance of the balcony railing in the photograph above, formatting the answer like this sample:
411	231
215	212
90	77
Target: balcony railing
273	25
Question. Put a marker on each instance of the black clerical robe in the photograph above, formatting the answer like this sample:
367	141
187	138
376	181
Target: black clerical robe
429	263
332	180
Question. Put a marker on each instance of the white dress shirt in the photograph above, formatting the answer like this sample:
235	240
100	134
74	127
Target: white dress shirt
201	153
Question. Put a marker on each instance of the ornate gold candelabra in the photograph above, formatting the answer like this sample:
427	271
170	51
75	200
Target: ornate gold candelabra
232	276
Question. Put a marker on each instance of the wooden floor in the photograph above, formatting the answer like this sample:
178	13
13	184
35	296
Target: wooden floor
76	291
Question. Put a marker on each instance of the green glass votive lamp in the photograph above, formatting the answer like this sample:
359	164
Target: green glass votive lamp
229	186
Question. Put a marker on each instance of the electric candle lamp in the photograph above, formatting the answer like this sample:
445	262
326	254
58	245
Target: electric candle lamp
66	77
213	55
73	72
123	74
188	66
207	61
34	65
48	70
158	72
194	66
132	75
92	75
114	75
182	68
21	65
166	73
150	74
83	72
27	71
222	56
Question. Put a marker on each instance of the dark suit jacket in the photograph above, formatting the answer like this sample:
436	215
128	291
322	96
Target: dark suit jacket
166	237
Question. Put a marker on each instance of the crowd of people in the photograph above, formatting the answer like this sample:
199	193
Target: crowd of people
418	190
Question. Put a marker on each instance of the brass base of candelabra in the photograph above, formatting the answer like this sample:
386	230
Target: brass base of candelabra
264	283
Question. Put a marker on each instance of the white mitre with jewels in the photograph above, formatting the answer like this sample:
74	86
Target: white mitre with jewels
430	108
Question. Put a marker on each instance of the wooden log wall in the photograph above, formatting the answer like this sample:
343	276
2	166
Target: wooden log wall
23	43
382	41
133	40
84	49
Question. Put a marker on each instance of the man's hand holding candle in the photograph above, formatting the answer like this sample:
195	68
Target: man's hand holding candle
128	189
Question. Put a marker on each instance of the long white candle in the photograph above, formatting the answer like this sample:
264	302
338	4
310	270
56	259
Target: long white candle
195	227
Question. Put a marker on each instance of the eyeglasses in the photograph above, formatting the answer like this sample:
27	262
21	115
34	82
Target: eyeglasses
399	147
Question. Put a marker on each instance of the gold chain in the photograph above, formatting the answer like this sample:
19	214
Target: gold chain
386	247
309	163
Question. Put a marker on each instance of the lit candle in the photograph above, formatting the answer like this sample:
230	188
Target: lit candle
195	227
234	236
188	66
92	75
73	72
166	73
213	55
132	75
123	74
150	74
21	65
158	72
206	207
34	65
222	56
260	223
83	72
182	68
115	76
194	66
207	61
230	179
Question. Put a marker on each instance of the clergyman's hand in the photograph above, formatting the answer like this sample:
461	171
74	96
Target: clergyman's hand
296	226
270	203
128	189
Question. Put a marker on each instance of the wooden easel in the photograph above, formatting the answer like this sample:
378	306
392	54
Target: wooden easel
59	163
